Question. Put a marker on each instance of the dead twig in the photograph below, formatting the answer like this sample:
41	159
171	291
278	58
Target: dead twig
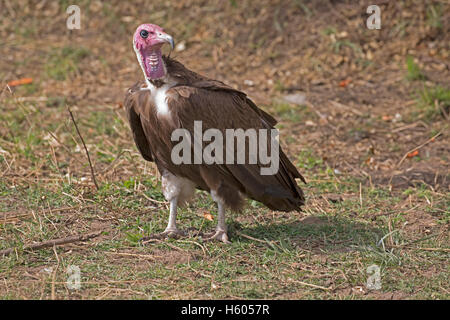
418	147
53	296
271	244
345	107
204	249
54	242
85	148
410	126
152	200
310	285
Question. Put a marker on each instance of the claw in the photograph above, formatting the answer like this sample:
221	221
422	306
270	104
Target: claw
173	232
219	235
168	233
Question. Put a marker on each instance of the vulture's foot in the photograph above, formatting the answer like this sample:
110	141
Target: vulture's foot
220	235
168	233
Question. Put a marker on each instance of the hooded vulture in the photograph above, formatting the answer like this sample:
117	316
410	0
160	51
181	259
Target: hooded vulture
174	99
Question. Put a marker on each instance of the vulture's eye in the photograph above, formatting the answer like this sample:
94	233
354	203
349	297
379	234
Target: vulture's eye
144	34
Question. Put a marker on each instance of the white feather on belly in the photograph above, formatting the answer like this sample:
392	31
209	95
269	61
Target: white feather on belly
173	186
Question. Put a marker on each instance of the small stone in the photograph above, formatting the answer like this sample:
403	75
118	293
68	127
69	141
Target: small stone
181	46
296	98
127	19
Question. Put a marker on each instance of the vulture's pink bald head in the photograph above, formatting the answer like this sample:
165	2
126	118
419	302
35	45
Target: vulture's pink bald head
147	42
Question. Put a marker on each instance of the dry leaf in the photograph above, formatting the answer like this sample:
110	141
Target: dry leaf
19	82
413	154
208	216
344	83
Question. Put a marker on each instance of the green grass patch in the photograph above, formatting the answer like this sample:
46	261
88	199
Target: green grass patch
64	62
292	112
413	70
434	16
434	102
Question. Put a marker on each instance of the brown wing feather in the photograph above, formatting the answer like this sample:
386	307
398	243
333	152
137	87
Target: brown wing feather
225	109
132	102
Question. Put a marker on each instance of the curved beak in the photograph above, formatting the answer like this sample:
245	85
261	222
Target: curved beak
166	38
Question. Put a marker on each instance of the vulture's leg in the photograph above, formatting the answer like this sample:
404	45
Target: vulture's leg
221	229
172	189
171	228
176	191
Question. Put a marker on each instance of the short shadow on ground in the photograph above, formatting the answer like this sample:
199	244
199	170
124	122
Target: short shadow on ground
313	233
